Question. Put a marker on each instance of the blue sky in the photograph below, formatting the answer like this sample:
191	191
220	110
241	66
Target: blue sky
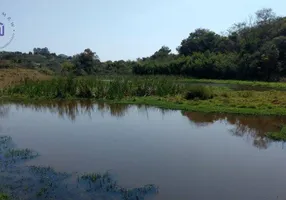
121	29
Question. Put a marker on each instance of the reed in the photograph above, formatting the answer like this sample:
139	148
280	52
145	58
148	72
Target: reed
97	88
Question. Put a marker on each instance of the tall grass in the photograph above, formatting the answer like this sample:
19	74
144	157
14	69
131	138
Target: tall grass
98	88
199	92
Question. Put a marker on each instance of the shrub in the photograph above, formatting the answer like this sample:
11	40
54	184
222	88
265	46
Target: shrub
199	92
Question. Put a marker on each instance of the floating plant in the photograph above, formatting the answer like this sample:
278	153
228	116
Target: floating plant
40	182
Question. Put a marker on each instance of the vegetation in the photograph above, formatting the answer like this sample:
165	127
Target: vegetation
199	92
251	50
278	136
38	182
14	76
97	88
161	92
248	84
4	196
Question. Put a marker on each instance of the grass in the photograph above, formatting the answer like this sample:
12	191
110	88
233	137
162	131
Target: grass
9	77
4	196
199	92
274	85
157	91
278	136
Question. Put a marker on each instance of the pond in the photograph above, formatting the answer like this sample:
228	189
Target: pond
187	155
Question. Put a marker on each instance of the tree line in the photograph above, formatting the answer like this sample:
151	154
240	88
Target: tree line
250	50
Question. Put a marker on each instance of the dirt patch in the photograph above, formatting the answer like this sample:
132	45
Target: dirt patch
14	76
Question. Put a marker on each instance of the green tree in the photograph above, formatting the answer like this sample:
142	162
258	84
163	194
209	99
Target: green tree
199	41
162	53
86	62
67	68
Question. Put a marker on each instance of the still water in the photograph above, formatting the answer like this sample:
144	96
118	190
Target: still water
188	155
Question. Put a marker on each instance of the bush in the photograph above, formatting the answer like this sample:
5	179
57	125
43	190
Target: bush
199	92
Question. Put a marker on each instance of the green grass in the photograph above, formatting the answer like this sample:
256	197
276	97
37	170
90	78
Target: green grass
278	136
95	88
4	196
274	85
157	91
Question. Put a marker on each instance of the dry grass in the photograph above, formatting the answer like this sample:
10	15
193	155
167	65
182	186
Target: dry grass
14	76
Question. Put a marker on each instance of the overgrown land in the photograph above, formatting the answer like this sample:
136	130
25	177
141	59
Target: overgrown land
251	53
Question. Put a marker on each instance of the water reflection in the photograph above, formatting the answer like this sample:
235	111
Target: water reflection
4	110
250	127
72	109
139	148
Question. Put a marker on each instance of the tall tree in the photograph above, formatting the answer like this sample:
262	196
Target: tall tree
86	62
201	40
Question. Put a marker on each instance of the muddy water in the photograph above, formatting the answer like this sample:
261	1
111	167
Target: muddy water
188	155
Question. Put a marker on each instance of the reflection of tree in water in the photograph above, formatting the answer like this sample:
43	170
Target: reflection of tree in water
4	110
72	109
251	127
116	110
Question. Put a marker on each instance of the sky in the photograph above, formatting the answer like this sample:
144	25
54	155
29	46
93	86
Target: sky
121	29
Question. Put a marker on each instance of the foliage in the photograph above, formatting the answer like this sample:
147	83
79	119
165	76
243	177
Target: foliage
97	88
251	50
4	196
157	91
199	92
86	62
41	51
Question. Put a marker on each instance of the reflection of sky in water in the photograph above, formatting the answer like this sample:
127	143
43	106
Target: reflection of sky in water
143	145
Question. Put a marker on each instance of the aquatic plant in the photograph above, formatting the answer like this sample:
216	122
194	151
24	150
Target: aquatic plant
98	182
278	136
5	143
4	196
40	182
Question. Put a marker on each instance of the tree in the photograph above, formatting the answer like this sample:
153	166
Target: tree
163	52
265	15
199	41
86	62
269	65
67	68
41	51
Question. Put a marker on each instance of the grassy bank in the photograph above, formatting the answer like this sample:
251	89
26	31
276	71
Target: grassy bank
274	85
158	92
